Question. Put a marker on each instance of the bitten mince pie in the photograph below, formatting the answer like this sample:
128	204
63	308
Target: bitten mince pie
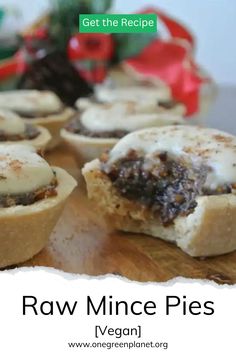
177	183
99	128
149	98
14	130
38	108
32	196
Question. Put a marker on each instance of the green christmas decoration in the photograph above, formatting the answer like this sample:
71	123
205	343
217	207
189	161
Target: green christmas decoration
2	14
64	22
9	45
64	18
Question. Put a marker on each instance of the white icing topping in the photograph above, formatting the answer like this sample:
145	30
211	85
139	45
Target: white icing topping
22	170
211	147
30	101
11	123
145	95
83	103
124	116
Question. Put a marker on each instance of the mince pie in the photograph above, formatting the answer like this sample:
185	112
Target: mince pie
38	108
32	196
99	127
14	130
150	99
177	183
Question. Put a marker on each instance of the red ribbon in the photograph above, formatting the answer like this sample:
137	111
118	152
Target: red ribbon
175	28
12	66
172	62
97	48
90	46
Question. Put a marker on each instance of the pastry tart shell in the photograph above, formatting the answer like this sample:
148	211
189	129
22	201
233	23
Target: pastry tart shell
85	148
54	123
25	230
40	143
209	231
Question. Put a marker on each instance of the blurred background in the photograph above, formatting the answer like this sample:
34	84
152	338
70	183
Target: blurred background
211	21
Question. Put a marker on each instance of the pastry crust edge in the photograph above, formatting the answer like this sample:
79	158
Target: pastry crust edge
39	143
54	123
86	148
209	231
25	230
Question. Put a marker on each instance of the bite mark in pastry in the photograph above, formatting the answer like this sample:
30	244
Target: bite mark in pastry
176	183
32	197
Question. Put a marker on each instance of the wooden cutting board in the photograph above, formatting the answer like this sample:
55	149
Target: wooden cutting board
81	243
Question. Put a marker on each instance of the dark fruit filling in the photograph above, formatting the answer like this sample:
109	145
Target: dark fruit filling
31	115
30	133
168	187
168	104
8	200
75	126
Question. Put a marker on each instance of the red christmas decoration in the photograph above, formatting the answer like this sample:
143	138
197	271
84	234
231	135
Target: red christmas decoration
176	29
12	66
40	33
90	46
171	61
95	49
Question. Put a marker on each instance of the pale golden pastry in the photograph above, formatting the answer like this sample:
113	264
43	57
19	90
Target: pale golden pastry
32	197
42	108
14	130
176	183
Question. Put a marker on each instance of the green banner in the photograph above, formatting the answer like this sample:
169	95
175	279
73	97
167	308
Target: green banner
110	23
